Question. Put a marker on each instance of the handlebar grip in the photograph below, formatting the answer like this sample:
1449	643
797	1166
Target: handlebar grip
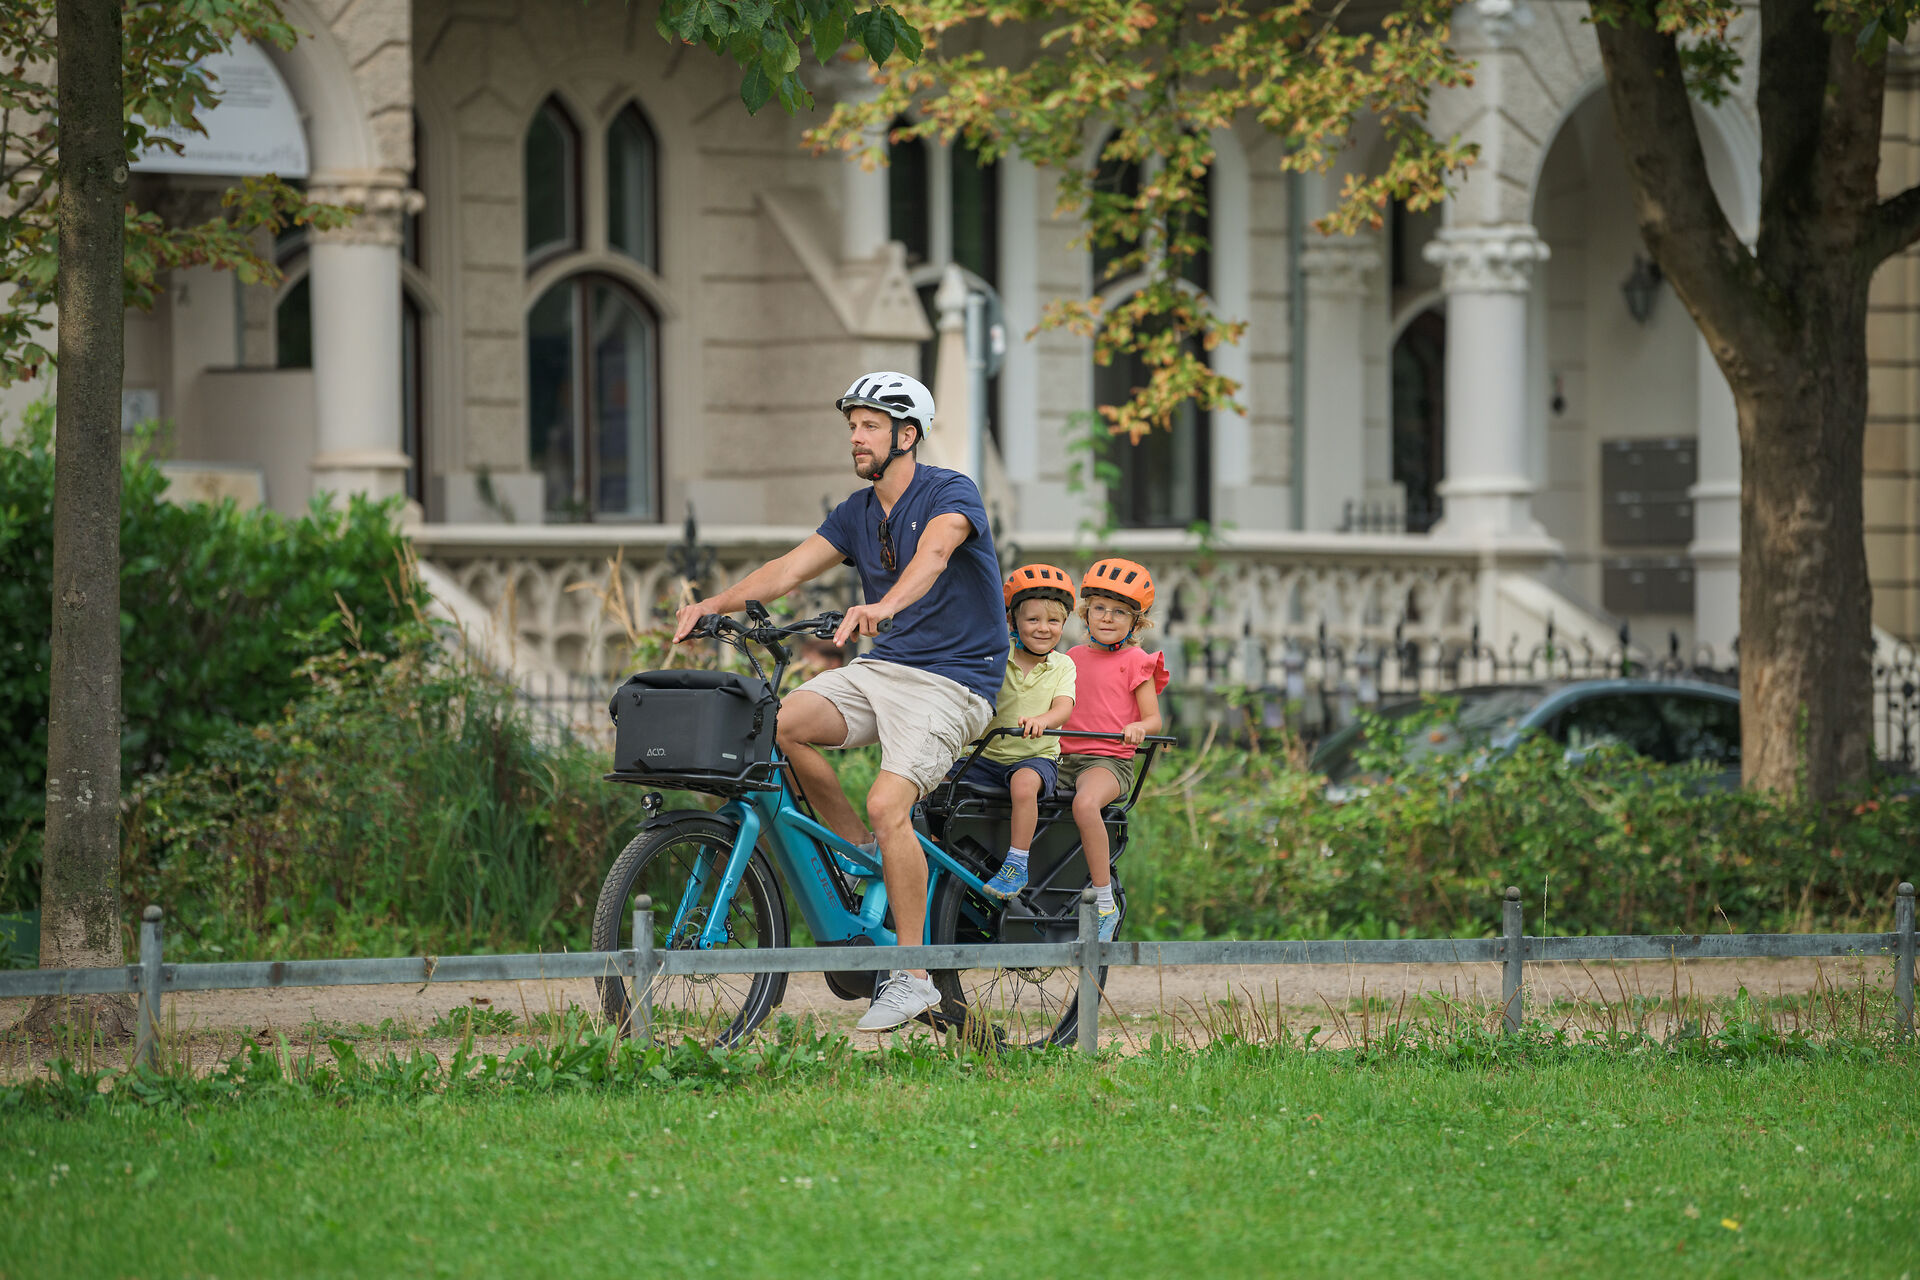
883	626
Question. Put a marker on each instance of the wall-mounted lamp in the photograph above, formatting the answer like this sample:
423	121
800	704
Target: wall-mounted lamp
1640	287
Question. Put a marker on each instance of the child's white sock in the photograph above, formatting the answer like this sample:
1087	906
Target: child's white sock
1017	858
1103	898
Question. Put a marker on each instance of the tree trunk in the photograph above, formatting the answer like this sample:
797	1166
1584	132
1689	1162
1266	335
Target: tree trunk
1786	318
1806	604
80	870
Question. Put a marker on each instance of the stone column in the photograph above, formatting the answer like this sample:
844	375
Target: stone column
1486	273
863	191
946	444
1716	514
356	339
1336	270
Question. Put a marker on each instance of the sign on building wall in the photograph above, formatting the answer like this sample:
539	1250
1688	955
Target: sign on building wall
254	129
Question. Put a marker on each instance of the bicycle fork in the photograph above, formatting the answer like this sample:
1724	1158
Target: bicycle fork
713	932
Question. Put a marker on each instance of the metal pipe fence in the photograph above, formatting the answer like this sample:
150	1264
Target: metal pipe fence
151	977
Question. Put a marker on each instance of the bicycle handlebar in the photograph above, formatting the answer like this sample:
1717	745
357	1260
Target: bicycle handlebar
821	627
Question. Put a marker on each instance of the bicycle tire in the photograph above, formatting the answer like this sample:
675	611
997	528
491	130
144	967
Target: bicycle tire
1013	1008
722	1009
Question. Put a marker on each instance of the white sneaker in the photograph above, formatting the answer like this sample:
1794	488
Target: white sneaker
903	999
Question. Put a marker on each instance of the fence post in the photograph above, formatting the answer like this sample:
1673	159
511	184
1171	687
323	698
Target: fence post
1514	953
640	1008
1089	975
1903	966
147	1016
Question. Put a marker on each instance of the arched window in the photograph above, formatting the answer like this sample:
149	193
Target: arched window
1198	269
410	246
293	327
592	375
908	219
632	226
413	396
552	177
1166	479
1420	415
943	205
1121	180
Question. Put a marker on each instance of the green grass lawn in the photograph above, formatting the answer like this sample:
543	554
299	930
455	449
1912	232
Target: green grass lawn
1233	1161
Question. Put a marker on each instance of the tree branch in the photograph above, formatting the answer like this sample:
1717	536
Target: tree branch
1896	224
1680	218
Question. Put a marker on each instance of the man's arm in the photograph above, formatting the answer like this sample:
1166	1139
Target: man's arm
944	535
768	583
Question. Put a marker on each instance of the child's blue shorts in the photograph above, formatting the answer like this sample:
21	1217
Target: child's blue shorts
992	773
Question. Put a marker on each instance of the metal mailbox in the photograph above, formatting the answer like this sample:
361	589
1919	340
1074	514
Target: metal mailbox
1644	487
1637	585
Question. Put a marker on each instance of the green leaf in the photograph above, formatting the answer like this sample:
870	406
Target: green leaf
698	18
876	35
906	37
829	33
756	89
794	96
779	55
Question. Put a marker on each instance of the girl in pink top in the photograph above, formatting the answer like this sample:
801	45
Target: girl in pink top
1117	691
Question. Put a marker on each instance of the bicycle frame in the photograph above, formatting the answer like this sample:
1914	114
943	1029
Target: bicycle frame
799	848
809	857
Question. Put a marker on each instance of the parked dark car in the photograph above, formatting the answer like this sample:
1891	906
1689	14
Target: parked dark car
1669	721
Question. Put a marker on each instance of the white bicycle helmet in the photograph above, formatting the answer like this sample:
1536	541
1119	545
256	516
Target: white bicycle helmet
901	398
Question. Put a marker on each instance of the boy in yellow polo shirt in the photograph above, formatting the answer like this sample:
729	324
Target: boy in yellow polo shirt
1036	694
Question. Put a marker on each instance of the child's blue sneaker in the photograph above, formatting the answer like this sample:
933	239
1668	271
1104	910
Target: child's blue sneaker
1109	922
1010	879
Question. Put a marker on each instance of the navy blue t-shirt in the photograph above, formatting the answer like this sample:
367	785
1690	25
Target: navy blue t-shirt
959	628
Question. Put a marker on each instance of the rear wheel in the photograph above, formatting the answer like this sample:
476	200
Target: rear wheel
662	862
1014	1008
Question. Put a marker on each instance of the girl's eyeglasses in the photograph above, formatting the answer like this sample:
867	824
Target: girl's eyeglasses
1109	610
886	545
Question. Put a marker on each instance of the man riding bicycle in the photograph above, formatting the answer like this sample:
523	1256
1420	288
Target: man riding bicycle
919	539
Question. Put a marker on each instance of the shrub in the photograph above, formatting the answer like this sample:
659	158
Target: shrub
217	609
1239	844
405	804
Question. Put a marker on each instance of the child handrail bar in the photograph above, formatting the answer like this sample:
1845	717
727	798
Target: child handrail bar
1151	744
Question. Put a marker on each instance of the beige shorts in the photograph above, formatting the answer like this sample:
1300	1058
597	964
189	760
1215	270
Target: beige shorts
1075	767
923	722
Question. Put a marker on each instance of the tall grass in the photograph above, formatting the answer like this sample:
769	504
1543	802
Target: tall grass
412	804
405	804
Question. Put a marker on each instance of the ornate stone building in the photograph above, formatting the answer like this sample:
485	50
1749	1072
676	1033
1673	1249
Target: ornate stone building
589	293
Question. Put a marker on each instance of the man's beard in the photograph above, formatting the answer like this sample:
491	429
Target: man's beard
864	464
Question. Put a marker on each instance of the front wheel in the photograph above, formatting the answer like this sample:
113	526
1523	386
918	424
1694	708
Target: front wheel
663	862
1014	1008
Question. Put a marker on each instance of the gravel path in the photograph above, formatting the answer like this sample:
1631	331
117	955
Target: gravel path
1185	994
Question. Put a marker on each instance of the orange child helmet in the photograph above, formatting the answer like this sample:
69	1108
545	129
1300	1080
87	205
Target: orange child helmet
1121	579
1041	581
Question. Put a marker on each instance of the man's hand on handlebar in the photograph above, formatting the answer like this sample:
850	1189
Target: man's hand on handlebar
689	617
863	619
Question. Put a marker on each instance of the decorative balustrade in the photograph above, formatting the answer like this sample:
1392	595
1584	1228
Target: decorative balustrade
1307	628
576	597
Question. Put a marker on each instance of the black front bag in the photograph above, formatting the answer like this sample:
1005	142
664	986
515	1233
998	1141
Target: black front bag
697	730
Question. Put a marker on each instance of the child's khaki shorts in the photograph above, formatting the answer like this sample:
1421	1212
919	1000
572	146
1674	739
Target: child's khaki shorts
1072	768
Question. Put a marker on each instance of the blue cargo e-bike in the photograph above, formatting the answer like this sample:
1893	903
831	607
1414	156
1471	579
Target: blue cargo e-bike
716	877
